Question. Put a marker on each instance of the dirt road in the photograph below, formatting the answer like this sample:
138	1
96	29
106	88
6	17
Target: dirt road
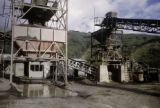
101	96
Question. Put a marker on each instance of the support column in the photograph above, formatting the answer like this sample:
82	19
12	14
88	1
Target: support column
66	59
122	73
12	41
103	74
56	71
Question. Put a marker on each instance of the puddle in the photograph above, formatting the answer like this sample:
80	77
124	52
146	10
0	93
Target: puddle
42	90
4	106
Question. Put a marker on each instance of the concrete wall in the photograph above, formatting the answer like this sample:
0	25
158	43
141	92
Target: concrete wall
19	69
40	33
39	74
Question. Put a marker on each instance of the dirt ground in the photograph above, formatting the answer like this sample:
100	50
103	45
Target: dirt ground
92	96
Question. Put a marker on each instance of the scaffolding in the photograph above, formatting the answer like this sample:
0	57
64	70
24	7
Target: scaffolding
39	32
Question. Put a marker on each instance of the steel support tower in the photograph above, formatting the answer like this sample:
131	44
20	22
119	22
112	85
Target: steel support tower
106	42
39	32
108	38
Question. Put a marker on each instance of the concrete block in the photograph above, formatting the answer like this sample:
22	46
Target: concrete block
19	69
104	76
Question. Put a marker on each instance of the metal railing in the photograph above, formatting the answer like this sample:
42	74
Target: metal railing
82	66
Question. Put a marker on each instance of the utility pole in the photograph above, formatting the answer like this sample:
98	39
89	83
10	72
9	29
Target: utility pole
66	59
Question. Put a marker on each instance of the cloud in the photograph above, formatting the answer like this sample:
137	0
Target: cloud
81	12
152	11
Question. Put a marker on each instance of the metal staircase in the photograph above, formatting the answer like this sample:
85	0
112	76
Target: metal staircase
88	70
126	73
83	67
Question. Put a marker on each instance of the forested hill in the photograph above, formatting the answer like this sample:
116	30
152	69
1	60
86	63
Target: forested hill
141	47
78	44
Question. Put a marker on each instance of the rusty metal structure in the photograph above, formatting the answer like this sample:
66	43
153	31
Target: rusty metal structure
87	69
106	42
39	32
108	37
106	45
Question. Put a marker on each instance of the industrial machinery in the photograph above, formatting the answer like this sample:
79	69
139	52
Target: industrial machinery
38	36
37	15
106	45
39	40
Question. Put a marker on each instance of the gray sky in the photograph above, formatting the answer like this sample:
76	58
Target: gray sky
81	12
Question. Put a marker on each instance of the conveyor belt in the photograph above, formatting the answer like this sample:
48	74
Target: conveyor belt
142	25
89	70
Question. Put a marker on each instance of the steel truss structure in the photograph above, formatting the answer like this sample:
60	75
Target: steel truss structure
141	25
55	12
106	42
106	45
5	37
39	29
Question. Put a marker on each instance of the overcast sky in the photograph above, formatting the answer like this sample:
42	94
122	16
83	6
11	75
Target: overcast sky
81	12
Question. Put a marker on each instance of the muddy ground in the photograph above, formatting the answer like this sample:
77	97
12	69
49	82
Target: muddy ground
90	95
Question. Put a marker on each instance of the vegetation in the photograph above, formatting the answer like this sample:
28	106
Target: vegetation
78	44
143	48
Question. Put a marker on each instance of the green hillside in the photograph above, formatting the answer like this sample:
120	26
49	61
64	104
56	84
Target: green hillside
78	44
143	48
148	52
